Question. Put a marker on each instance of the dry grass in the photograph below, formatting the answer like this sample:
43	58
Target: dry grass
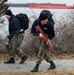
63	56
60	72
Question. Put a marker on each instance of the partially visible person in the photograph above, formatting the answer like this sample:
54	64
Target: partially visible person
48	28
15	37
49	15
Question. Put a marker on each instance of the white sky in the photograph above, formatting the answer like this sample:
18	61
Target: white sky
41	1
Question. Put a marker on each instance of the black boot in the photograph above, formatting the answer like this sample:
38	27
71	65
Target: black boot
10	61
23	59
35	68
52	66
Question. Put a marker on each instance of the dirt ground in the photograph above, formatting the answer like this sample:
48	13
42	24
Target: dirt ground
60	57
50	72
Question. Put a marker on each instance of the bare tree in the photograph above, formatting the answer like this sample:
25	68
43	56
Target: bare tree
3	8
64	39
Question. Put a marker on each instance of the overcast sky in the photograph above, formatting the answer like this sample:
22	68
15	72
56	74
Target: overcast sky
41	1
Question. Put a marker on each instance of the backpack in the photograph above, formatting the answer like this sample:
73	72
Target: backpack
24	20
49	15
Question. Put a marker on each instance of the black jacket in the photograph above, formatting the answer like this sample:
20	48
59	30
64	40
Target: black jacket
14	25
47	28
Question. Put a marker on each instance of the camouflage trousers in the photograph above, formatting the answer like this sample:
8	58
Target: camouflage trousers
43	53
14	45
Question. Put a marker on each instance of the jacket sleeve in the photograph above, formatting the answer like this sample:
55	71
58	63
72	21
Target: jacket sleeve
51	31
33	29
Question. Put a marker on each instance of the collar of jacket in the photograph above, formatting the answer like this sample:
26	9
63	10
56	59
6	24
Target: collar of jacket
11	17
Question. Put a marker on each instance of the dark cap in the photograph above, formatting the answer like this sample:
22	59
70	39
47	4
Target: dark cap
42	17
8	12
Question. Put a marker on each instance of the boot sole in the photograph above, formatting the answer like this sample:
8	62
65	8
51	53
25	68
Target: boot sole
51	68
9	63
